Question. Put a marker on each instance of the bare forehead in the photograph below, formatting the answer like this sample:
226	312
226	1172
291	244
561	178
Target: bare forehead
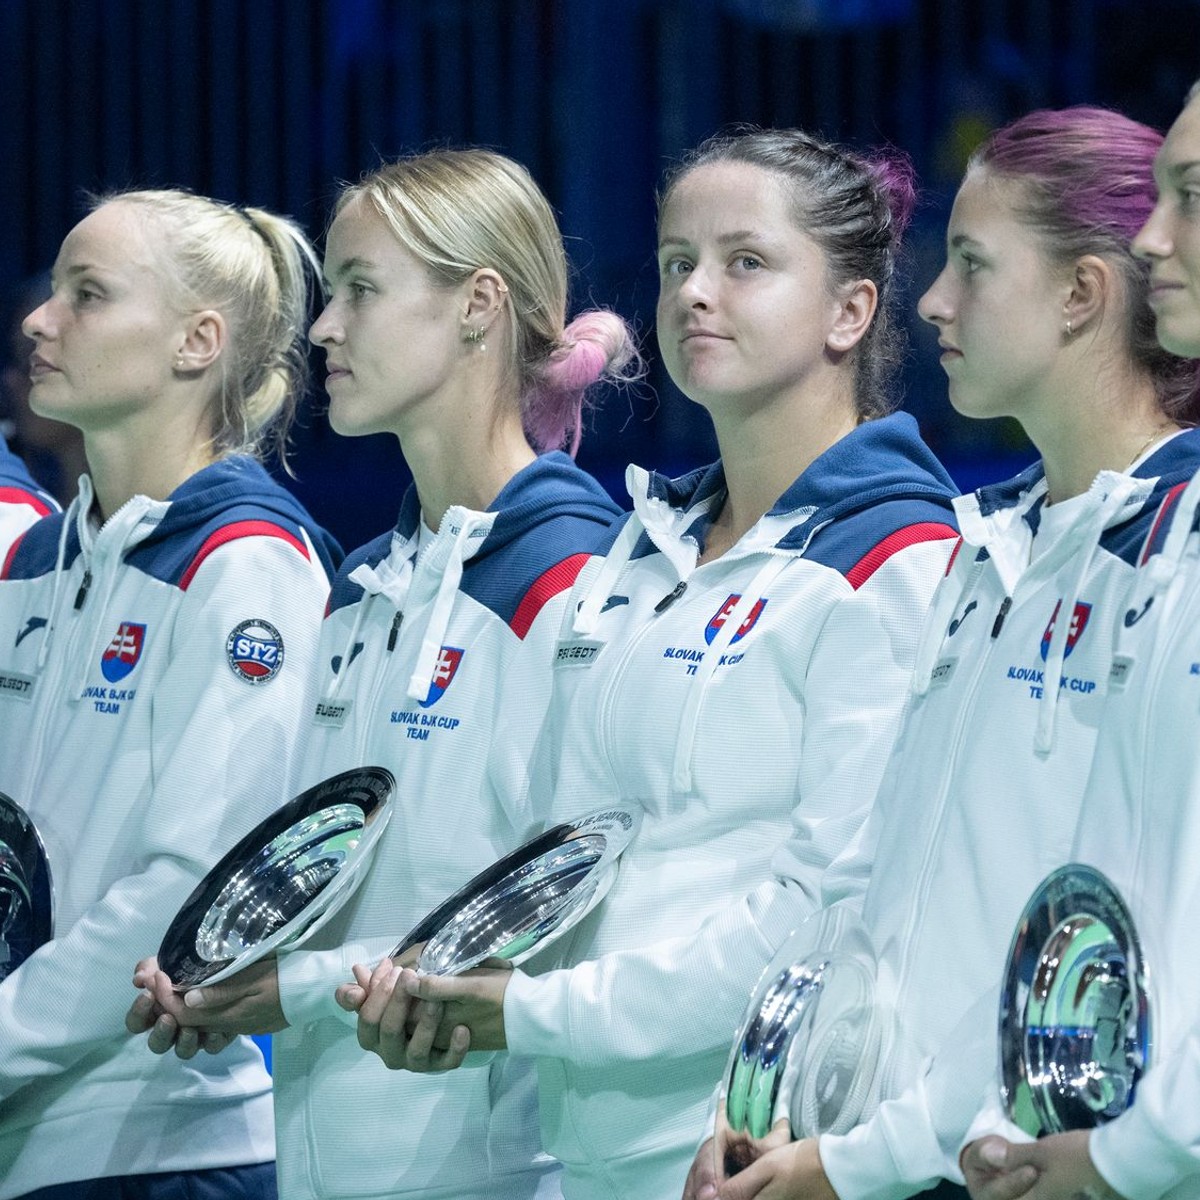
1182	145
116	237
728	194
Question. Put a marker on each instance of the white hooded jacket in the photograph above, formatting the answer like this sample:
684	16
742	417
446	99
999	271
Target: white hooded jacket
981	798
747	705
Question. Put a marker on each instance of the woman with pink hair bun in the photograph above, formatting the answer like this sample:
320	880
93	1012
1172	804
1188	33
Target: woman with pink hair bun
446	327
747	642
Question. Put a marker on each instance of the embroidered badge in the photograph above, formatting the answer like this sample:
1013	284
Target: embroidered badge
254	650
124	651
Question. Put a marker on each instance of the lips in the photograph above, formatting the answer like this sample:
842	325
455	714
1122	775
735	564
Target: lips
39	367
336	374
1161	288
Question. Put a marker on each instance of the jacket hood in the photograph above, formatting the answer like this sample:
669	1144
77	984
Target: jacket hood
878	460
551	481
232	489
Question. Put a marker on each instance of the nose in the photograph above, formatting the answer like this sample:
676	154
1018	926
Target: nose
1153	240
38	324
695	289
935	306
325	329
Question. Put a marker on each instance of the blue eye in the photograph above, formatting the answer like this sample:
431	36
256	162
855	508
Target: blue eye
676	266
748	262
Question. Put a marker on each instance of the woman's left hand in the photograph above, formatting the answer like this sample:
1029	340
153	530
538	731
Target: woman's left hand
791	1172
426	1022
1053	1168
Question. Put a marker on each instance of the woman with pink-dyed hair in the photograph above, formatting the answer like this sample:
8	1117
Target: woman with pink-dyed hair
446	327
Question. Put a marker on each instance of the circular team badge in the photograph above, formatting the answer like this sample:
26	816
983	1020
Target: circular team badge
254	651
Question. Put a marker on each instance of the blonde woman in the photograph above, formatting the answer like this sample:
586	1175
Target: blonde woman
163	632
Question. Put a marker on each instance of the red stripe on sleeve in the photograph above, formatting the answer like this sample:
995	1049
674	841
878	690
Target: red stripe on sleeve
953	555
231	533
1163	509
545	587
12	495
910	535
8	558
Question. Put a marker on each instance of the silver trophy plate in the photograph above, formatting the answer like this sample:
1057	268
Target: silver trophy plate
524	901
1074	1009
283	879
805	1052
26	889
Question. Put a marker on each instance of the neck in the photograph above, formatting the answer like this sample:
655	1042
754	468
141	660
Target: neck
143	458
468	464
1119	424
763	452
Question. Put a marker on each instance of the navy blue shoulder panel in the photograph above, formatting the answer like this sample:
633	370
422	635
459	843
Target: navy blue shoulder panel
173	556
1142	535
535	565
36	552
345	591
863	540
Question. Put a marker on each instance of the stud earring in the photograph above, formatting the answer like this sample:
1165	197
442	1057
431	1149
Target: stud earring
1070	331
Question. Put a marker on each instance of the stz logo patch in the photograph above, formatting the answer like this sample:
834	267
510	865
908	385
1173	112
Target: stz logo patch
254	651
1079	620
722	615
124	651
443	674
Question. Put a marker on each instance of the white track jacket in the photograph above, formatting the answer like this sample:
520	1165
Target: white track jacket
21	500
981	798
1140	825
435	665
152	677
747	704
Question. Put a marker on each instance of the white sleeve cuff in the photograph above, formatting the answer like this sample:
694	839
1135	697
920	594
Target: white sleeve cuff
309	978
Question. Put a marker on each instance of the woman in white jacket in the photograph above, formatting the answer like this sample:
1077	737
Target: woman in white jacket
1043	315
21	500
447	327
157	653
735	666
1140	818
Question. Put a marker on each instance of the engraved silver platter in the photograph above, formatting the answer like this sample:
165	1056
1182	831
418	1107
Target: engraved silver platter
806	1050
526	900
281	881
26	888
1074	1008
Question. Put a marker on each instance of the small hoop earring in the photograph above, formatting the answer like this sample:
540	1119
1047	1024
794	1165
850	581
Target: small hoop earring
1070	331
475	337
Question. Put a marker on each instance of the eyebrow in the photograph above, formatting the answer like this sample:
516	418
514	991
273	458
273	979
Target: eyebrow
724	239
348	267
964	239
1174	170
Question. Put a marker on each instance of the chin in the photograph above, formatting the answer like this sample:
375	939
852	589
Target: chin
1183	342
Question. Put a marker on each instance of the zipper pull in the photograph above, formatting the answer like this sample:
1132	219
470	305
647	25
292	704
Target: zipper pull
671	597
81	595
394	632
998	624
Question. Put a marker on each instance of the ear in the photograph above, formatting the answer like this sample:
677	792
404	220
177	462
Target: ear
1091	283
855	309
203	341
485	296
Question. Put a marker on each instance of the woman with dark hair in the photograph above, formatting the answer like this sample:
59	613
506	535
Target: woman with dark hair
1043	314
1140	818
446	326
746	645
157	648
